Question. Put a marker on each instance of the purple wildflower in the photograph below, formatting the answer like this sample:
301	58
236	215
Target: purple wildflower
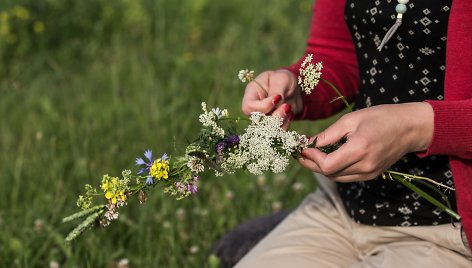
193	186
219	147
232	140
180	186
190	187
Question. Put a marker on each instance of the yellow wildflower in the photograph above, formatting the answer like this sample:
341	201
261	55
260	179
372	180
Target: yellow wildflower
112	196
114	189
122	195
106	185
160	169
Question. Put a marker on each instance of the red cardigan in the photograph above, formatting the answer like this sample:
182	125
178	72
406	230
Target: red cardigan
330	42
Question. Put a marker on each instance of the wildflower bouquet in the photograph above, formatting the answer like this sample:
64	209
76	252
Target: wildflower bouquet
262	146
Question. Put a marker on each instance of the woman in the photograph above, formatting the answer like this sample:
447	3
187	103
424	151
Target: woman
413	102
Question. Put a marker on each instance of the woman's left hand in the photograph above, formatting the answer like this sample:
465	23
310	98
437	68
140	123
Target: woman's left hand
377	137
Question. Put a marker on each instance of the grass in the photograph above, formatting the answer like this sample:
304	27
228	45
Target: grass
89	105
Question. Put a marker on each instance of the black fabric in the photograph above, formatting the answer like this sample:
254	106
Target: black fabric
410	68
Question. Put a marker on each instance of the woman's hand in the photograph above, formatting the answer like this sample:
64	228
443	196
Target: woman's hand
377	137
276	93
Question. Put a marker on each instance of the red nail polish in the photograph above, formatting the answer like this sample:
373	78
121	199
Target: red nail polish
287	108
276	99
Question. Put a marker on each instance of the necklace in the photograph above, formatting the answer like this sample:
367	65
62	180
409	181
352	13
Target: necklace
400	8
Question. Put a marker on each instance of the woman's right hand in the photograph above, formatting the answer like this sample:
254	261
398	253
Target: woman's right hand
276	93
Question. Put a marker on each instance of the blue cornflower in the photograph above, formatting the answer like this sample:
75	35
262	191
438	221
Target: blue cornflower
147	165
164	157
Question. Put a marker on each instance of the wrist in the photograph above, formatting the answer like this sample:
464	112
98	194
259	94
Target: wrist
422	119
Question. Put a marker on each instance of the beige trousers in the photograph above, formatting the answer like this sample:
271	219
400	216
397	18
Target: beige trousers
319	233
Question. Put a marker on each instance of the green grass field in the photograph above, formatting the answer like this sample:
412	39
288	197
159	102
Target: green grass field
105	80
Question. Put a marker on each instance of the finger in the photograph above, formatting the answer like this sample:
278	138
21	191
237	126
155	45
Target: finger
253	103
332	134
284	111
312	153
354	177
281	81
332	163
307	163
288	121
358	168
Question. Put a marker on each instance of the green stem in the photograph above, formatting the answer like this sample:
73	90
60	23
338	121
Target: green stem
426	196
443	196
261	86
234	119
340	96
409	176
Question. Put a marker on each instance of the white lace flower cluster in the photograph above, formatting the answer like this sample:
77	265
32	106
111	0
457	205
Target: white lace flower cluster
246	75
209	118
266	146
310	74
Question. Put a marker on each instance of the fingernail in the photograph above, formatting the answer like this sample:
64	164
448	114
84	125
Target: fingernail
303	154
287	108
276	99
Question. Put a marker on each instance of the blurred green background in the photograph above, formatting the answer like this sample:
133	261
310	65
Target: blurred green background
86	86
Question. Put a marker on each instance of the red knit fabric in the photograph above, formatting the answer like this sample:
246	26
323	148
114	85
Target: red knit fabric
453	116
330	42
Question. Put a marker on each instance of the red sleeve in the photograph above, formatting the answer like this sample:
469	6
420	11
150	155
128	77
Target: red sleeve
331	43
453	117
452	128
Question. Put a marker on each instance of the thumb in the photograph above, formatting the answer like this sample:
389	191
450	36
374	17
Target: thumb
331	135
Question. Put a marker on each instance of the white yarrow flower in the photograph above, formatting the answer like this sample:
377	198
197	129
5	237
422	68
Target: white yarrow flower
208	119
310	74
246	75
266	146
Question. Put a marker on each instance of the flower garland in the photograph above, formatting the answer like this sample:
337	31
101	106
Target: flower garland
263	146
